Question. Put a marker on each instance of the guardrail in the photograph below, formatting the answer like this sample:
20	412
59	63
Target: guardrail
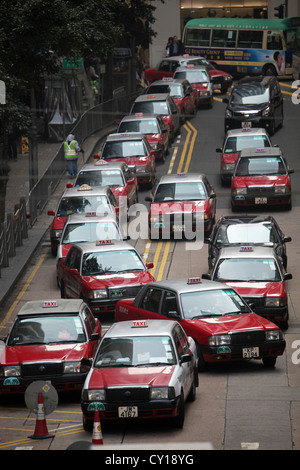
15	227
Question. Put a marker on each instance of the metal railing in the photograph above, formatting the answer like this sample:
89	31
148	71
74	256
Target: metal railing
15	227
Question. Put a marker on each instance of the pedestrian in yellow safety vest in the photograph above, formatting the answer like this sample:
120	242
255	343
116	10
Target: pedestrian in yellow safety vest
72	150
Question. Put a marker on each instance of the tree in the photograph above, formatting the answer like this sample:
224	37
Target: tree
35	33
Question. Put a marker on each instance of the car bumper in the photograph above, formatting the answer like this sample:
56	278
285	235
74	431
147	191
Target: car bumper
242	121
235	352
146	410
68	383
260	200
159	229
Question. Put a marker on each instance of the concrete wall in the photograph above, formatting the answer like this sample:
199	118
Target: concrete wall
167	24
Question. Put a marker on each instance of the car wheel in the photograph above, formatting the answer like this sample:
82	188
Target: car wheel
178	421
272	126
62	290
192	392
201	362
269	361
87	424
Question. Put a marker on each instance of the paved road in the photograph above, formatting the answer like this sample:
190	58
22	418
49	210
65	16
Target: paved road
238	406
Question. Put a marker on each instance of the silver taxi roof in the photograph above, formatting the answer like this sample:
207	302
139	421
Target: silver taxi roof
181	286
51	307
261	152
184	68
140	116
104	165
247	131
125	136
247	251
152	97
184	177
114	245
176	81
86	190
151	328
86	218
182	58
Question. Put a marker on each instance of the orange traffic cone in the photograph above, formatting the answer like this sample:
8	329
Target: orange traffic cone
97	433
41	431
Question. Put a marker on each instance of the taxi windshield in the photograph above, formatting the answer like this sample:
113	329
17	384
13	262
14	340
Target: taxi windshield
193	76
173	89
246	233
250	94
100	178
148	107
111	262
256	166
90	232
245	270
135	351
187	191
124	149
212	303
82	204
238	143
46	329
144	126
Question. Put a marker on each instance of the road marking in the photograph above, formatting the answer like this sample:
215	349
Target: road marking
250	445
24	289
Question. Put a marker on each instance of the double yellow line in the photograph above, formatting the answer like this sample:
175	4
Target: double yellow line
186	154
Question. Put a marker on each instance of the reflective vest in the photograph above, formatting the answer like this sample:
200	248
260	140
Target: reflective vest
70	151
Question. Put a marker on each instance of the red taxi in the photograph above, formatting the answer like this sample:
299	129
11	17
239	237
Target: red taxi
101	273
179	202
47	342
153	128
200	81
182	92
80	200
234	142
162	104
134	149
222	325
116	175
167	66
257	274
261	177
142	370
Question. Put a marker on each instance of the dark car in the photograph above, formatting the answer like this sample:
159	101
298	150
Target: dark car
255	102
247	229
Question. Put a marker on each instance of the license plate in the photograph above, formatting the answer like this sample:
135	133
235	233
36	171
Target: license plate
248	353
246	124
178	228
128	411
261	200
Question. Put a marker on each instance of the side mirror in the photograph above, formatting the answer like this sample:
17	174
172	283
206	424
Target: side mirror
206	276
86	361
286	239
73	271
185	358
287	276
173	314
148	199
149	265
218	150
94	337
51	212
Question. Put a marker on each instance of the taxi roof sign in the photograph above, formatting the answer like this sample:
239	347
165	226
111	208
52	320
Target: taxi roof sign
84	187
246	248
101	162
194	280
139	114
190	66
49	303
139	324
168	79
91	214
104	242
180	175
259	150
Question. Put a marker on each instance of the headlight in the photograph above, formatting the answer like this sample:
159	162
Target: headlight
273	335
239	191
96	395
161	393
281	189
97	294
72	367
266	111
228	166
275	302
143	169
10	371
219	340
55	233
155	218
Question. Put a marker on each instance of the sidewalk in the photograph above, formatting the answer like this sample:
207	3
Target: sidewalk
18	187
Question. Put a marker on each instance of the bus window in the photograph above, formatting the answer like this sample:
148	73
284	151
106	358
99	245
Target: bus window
223	38
274	41
198	37
250	39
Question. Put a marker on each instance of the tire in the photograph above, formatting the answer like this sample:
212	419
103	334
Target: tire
201	363
269	361
87	424
192	393
178	421
62	291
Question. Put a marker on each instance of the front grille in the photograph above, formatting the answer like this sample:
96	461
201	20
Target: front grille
260	190
123	292
255	302
248	337
127	394
41	369
218	79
